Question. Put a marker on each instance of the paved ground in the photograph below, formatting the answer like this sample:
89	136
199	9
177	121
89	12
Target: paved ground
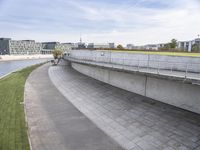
54	123
135	122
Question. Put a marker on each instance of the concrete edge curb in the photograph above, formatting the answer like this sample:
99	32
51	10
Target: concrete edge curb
26	120
25	111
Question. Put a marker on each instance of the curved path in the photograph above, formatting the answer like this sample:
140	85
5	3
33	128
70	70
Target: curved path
135	122
54	123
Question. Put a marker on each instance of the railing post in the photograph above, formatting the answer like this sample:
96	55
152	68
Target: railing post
186	70
138	65
123	61
171	67
158	68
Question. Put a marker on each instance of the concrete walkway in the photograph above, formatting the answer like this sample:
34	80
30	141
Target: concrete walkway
134	121
54	123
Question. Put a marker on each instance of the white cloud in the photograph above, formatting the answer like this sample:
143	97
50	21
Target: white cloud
135	22
148	25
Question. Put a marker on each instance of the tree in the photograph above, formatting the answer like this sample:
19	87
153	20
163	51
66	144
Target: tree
120	46
173	43
167	46
57	54
196	48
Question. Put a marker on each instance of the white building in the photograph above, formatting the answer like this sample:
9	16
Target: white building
151	47
19	47
161	45
187	45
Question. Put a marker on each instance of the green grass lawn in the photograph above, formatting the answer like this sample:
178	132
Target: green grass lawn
162	53
13	129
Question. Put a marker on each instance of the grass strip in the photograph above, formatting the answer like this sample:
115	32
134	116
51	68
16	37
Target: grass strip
162	53
13	129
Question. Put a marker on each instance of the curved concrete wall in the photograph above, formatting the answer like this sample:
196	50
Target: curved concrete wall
154	61
186	96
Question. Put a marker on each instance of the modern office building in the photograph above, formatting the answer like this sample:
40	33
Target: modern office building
29	47
49	45
57	45
4	46
187	45
19	47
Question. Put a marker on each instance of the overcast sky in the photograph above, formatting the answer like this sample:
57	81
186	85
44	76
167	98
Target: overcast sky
120	21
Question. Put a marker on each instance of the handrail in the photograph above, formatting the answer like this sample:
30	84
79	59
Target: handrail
178	69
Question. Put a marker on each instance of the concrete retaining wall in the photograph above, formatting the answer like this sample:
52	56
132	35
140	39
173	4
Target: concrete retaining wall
186	96
126	58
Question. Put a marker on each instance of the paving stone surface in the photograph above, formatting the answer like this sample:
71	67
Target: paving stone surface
134	121
54	123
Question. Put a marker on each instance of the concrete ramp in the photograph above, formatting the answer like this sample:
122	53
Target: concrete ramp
167	90
54	123
134	121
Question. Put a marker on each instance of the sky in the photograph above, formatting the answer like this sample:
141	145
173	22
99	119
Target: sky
121	21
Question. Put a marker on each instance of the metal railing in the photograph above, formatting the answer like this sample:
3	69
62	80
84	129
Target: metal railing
176	69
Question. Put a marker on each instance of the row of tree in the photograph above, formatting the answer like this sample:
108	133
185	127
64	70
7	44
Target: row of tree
196	48
172	46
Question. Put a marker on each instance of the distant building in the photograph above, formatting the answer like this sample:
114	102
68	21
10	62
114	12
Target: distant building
90	45
57	45
151	47
130	46
67	46
19	47
29	47
111	45
79	45
146	47
49	45
138	47
101	45
187	45
161	45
